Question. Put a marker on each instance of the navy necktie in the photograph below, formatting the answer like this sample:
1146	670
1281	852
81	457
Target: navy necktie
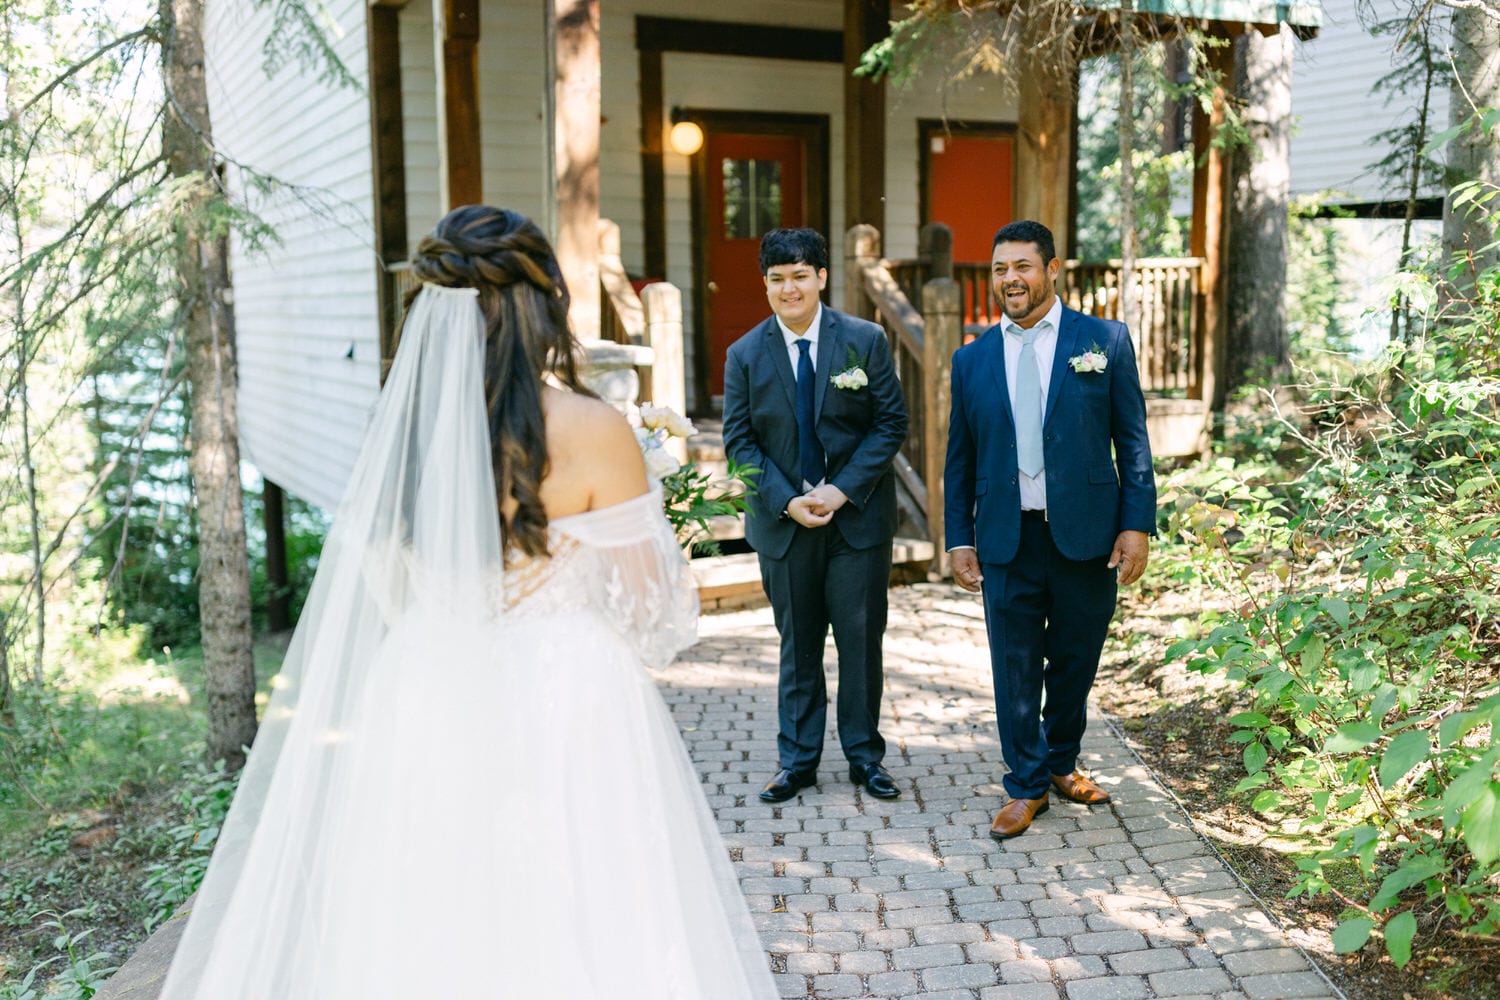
809	451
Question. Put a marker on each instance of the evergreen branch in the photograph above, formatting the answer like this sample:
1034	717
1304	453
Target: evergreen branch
1488	8
145	31
85	219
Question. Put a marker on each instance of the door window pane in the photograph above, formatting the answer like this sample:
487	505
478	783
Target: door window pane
752	198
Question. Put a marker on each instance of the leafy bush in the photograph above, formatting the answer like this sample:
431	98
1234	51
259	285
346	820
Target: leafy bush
204	799
1366	635
85	971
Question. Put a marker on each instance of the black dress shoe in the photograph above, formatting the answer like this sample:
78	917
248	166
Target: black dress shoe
786	784
876	779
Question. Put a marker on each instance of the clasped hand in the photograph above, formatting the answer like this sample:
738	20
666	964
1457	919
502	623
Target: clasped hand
817	506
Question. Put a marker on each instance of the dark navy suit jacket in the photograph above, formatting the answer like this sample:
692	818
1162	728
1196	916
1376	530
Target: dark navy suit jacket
860	430
1095	449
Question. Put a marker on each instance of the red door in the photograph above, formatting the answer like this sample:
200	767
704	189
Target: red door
970	179
754	183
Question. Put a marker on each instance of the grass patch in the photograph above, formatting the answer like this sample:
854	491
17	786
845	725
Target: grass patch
104	798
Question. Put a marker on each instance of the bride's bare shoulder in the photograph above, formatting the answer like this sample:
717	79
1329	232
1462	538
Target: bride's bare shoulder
592	448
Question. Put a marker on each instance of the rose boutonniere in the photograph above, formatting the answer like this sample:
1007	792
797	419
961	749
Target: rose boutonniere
1091	360
853	376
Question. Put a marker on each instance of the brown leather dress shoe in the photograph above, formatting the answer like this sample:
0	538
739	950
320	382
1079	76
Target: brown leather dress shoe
1016	815
1079	788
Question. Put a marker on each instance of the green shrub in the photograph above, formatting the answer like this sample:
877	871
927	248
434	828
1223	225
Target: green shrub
1366	632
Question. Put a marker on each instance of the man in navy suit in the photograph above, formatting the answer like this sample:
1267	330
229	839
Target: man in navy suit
1049	504
811	399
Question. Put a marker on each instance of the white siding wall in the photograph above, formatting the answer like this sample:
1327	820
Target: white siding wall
302	306
419	121
1337	116
512	110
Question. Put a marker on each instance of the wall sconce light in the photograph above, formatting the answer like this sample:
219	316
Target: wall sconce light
686	138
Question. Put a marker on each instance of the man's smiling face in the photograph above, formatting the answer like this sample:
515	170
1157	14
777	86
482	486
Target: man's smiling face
792	290
1023	282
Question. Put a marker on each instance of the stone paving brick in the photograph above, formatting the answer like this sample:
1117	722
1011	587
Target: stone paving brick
791	986
833	942
1026	970
1258	963
1079	967
1107	942
1140	963
959	977
1284	984
1107	988
894	984
864	962
911	898
808	963
847	919
1189	981
1045	947
1020	991
837	986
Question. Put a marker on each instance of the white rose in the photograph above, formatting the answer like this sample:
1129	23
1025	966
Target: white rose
659	463
677	425
858	379
654	417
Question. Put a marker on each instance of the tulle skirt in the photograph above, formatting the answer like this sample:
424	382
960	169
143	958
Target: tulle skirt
512	814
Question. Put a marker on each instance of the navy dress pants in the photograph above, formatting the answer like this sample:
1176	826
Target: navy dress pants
823	581
1047	617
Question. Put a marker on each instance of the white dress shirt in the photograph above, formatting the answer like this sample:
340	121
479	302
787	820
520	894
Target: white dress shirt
1033	488
811	336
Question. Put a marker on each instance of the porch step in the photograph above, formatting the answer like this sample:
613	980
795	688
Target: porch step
726	582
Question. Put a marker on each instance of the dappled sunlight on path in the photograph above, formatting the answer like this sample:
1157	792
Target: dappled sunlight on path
857	897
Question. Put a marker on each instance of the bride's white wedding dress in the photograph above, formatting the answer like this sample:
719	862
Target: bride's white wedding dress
466	784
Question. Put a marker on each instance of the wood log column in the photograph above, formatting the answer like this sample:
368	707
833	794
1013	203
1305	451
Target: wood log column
458	106
1044	149
1209	234
865	23
576	157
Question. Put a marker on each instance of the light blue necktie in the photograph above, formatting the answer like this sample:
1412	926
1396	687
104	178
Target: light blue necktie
1029	405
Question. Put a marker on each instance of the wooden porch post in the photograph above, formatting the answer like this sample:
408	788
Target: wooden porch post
1209	235
278	585
576	157
942	316
1044	150
865	23
387	163
861	247
460	176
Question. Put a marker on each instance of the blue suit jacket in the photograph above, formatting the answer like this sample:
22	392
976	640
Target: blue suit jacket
860	430
1095	449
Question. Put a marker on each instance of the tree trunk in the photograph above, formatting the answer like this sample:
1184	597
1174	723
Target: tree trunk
1127	164
1400	309
204	291
1258	341
1474	155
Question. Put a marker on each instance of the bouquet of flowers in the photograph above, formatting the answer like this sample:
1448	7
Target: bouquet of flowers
690	497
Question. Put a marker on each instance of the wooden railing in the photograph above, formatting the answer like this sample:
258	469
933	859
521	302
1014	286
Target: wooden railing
921	345
1168	320
1168	293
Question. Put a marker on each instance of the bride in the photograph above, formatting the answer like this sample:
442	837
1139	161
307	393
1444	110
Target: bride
465	784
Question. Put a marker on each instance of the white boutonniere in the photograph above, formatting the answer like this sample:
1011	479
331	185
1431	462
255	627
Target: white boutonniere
1091	360
853	376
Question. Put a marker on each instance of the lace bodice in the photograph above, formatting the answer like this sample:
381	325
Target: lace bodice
620	561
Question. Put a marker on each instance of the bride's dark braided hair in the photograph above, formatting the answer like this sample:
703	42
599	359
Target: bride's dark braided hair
525	304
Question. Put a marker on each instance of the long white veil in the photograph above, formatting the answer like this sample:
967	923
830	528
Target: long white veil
418	532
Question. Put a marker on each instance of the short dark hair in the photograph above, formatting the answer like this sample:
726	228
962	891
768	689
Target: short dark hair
1027	231
793	246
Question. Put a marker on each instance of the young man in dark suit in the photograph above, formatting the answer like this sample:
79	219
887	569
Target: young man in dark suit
811	399
1049	504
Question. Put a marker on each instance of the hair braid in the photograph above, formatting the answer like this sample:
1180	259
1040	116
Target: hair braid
525	304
